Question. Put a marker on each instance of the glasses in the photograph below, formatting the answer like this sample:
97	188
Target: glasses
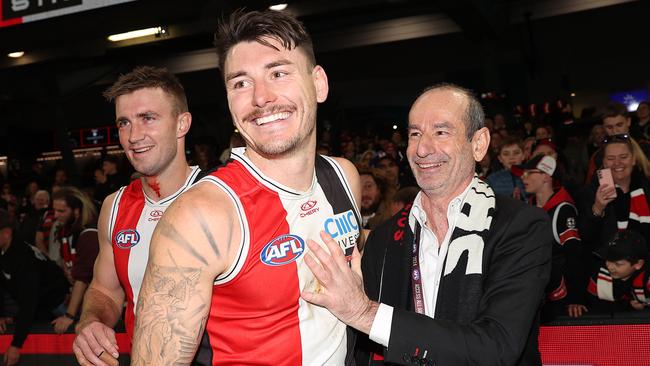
621	137
527	173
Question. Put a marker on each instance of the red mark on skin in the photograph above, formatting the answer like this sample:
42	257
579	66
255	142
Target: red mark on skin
154	185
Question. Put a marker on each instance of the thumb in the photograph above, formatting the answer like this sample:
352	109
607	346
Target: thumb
355	261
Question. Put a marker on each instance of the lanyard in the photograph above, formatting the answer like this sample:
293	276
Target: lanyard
416	275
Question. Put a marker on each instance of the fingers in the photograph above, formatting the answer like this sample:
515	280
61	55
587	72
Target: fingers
85	355
356	261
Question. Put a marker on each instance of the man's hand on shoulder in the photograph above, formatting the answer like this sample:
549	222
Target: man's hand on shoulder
340	286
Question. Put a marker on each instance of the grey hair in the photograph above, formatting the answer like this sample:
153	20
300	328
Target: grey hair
474	114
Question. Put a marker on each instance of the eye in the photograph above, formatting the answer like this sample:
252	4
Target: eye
414	134
278	74
122	123
148	117
240	84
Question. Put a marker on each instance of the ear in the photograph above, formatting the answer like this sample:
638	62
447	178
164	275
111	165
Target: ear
184	123
639	264
480	143
320	82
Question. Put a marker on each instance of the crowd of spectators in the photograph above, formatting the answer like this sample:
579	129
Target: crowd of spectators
601	227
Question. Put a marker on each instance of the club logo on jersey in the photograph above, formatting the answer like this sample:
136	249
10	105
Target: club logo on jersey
344	229
282	250
126	239
308	208
155	215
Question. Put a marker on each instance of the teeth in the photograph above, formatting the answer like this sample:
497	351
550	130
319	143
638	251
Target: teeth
142	149
426	166
273	117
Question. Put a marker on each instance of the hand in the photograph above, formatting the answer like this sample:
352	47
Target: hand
95	339
61	324
340	287
637	305
3	324
576	310
516	193
604	195
12	356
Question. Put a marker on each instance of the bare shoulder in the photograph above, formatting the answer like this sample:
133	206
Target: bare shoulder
199	229
350	170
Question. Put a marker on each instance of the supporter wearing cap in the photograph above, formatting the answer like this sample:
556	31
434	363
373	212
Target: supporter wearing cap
623	281
564	293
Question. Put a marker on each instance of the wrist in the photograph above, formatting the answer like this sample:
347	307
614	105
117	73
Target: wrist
597	211
366	317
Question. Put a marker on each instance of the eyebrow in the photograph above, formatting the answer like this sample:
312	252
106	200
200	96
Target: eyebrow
270	65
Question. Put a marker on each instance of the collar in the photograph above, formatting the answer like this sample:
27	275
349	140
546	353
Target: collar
418	213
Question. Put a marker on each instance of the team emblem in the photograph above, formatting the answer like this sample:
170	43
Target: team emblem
126	239
282	250
571	223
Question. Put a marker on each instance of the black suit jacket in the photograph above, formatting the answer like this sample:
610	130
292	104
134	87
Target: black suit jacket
500	328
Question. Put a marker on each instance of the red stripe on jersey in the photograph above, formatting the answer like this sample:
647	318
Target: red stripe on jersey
569	234
254	316
128	213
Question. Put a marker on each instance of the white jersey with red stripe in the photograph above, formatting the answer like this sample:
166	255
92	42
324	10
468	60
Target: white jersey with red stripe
133	218
257	315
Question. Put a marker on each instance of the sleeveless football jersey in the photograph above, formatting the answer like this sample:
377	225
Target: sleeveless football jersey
133	218
257	315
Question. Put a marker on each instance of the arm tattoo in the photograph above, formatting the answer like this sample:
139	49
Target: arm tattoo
170	316
206	230
167	229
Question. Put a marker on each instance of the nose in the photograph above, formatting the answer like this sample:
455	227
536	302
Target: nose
262	94
426	145
136	133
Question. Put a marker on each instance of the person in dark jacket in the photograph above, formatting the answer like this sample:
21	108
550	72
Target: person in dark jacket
456	280
37	284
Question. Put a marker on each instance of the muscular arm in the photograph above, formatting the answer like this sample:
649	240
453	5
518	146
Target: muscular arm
102	304
193	243
105	296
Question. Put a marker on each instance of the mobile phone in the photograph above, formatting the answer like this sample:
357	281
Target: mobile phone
605	178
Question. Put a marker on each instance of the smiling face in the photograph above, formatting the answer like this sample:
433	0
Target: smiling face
272	95
149	130
441	157
619	158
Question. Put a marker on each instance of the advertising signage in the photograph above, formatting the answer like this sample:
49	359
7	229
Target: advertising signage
13	12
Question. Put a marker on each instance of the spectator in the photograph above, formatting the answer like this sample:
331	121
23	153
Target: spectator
622	283
616	122
565	288
36	284
7	196
543	132
60	179
596	137
529	142
374	207
31	221
606	209
403	198
79	247
641	130
504	181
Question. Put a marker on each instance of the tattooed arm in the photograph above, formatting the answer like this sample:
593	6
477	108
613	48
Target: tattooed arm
190	247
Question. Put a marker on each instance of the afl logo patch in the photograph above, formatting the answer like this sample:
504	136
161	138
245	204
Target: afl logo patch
126	239
282	250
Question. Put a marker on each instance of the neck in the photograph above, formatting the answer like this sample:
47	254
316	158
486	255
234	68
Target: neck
294	170
161	186
543	196
435	206
625	184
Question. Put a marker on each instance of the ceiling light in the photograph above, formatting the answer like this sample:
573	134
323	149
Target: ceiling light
573	94
16	54
278	7
157	31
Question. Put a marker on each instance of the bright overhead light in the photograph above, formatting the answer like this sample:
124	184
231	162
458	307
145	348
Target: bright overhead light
16	54
573	94
136	34
278	7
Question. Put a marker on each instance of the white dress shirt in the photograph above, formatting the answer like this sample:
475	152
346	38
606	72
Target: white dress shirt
431	256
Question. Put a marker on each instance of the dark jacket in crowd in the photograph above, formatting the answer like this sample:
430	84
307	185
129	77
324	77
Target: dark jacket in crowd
36	284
